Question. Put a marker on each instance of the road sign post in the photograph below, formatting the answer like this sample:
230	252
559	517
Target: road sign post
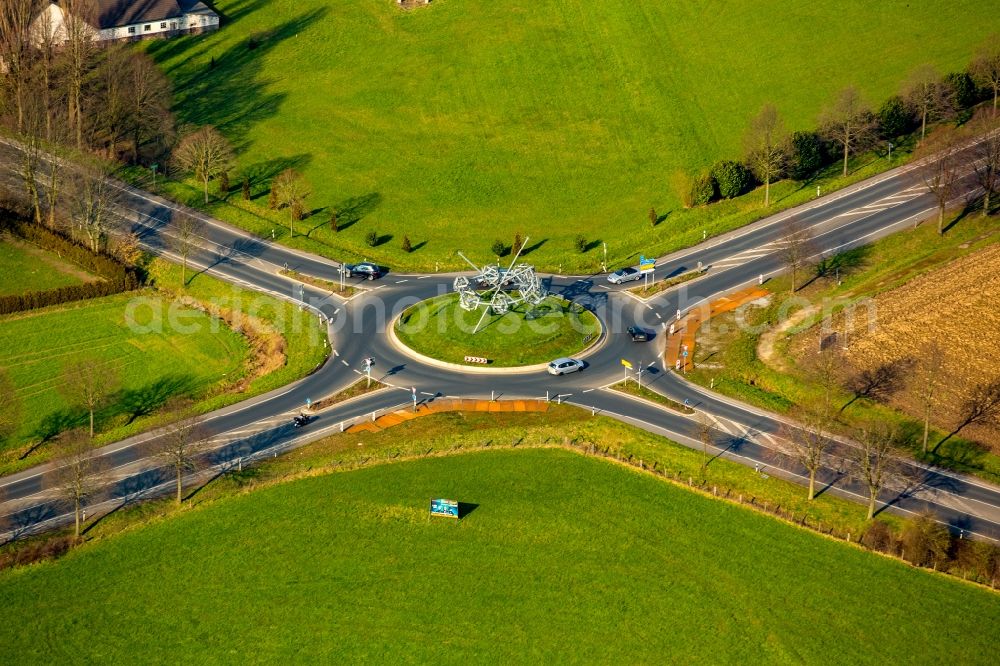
628	366
413	391
369	362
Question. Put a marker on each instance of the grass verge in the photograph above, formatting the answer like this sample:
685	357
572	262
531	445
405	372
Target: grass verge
631	388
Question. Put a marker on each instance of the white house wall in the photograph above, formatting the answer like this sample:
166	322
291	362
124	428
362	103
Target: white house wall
187	22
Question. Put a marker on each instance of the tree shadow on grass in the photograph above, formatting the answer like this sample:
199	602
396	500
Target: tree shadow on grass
260	174
54	423
232	96
146	399
531	248
352	210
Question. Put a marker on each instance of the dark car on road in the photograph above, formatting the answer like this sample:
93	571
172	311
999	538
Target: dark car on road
639	334
365	270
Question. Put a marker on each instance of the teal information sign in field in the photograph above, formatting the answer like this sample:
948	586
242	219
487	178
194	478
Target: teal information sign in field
444	507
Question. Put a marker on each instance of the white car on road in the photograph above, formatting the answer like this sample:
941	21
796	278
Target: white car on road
562	366
624	275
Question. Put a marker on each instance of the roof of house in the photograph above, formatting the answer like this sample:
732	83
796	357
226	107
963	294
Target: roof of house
113	13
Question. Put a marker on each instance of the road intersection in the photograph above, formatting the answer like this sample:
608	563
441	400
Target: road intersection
358	328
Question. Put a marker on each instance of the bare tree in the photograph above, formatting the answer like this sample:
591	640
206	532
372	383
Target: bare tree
808	444
187	230
150	99
15	51
849	122
77	52
766	148
926	91
32	123
705	436
985	67
987	158
797	247
205	153
10	406
77	476
874	461
111	114
88	383
926	380
292	190
93	198
179	448
940	173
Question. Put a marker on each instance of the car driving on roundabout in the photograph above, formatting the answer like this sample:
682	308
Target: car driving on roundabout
627	274
365	269
565	365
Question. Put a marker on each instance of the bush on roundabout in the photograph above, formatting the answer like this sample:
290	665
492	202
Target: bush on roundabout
441	329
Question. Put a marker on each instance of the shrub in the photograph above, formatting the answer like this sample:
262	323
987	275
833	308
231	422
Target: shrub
224	183
807	155
518	243
731	178
407	247
878	536
963	89
498	248
653	217
333	222
36	551
296	209
925	541
702	190
896	118
272	198
246	189
580	243
371	238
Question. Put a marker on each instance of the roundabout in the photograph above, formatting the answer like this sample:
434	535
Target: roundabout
440	329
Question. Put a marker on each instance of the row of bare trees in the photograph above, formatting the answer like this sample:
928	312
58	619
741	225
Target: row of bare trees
60	86
878	447
80	473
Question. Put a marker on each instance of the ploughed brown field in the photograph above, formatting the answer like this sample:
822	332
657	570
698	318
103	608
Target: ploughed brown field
956	308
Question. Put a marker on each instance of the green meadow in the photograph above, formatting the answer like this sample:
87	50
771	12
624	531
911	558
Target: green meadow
470	120
159	357
558	557
25	268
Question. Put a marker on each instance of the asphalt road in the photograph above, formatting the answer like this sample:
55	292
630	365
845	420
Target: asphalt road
357	328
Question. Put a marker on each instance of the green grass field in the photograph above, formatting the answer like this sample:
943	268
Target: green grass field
188	355
466	121
558	558
24	268
441	329
155	362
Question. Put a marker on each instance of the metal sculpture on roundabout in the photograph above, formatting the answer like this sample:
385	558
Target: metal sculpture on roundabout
498	290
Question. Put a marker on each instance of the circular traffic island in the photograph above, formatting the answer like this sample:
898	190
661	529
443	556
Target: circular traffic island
440	329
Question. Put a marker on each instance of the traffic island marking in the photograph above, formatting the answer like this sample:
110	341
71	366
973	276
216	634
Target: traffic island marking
448	405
